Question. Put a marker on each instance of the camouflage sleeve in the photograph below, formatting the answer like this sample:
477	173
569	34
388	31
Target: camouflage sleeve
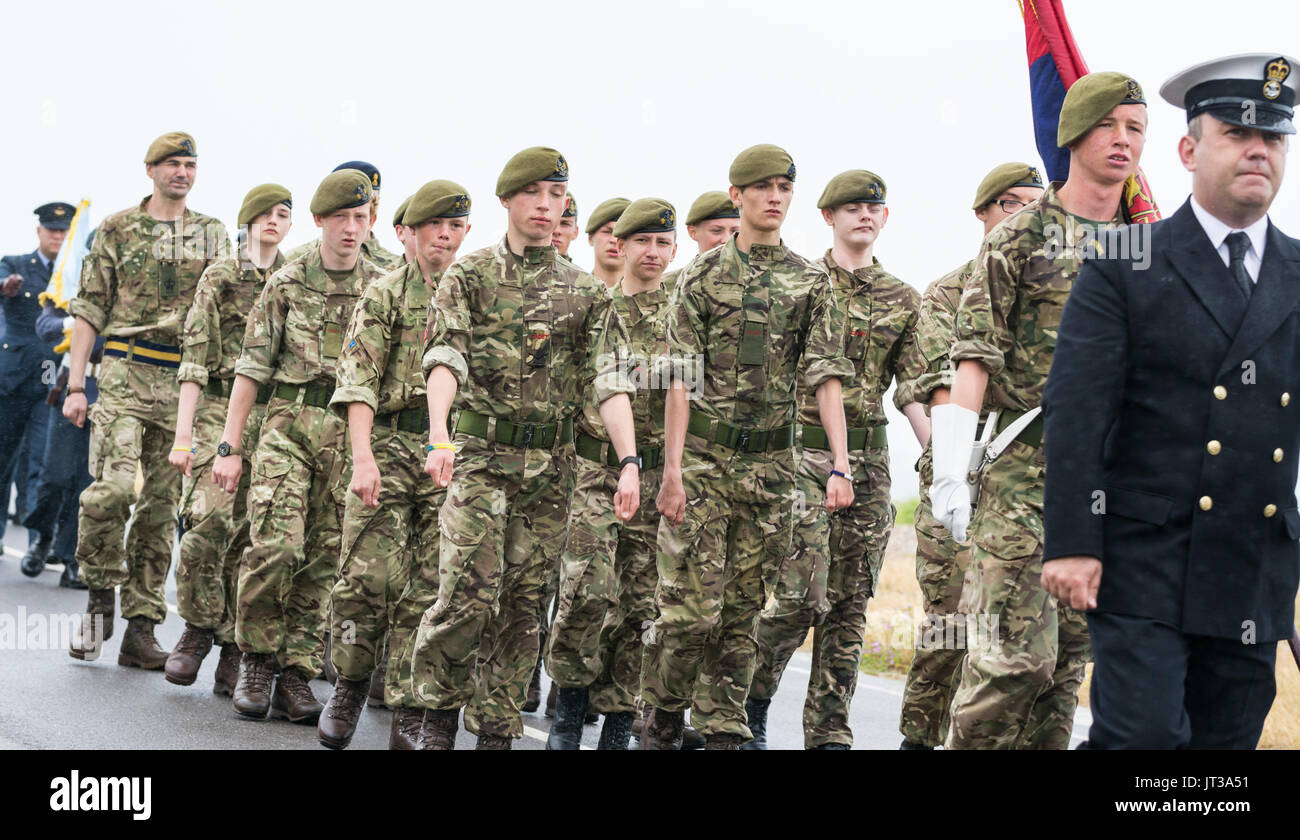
263	333
218	239
365	349
909	366
201	336
98	287
685	331
933	336
447	332
981	323
607	349
823	349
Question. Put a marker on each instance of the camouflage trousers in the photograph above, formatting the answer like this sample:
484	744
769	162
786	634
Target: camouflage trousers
941	566
549	605
132	424
606	593
214	525
388	574
839	554
502	527
715	571
1019	687
295	512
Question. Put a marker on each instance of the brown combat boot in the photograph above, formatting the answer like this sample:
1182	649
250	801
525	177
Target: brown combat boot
404	734
140	648
182	666
723	741
663	730
439	729
227	670
376	693
252	698
293	700
96	625
339	722
492	742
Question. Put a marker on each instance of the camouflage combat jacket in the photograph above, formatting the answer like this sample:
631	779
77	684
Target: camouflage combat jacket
380	362
214	327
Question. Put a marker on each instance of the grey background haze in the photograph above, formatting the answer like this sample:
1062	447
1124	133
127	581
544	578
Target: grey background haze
642	100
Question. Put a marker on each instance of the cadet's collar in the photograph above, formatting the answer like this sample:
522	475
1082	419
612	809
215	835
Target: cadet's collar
862	275
758	254
533	254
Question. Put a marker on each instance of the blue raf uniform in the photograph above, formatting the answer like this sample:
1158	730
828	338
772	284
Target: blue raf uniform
27	364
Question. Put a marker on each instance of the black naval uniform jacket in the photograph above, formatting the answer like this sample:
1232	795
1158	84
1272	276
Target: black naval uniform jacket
1180	402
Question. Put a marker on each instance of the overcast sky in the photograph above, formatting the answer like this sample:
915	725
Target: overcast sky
643	100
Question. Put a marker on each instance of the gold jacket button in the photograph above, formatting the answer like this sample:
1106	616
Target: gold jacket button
1277	456
1206	503
1269	510
1214	447
1220	392
1286	399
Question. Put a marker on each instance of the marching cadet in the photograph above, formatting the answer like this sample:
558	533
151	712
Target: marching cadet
608	577
941	562
371	250
298	486
746	320
1190	346
567	230
388	574
27	365
517	338
711	221
137	283
215	523
835	561
600	236
1019	688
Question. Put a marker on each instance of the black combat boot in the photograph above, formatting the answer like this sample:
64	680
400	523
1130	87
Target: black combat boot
71	577
182	667
34	560
912	745
339	721
615	731
570	712
756	713
253	692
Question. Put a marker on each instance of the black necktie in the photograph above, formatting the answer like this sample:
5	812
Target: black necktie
1238	244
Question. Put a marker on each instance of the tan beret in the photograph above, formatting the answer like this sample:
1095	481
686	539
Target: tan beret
341	190
260	199
400	212
537	163
759	162
857	186
172	143
1091	98
1003	178
437	200
646	215
607	211
714	204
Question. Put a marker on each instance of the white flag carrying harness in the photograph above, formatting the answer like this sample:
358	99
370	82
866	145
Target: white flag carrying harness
987	451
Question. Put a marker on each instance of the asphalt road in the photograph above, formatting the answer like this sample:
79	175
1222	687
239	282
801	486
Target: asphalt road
50	701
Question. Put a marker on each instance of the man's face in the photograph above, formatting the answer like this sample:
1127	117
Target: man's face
1015	199
711	233
763	205
1109	152
646	255
173	176
857	223
1242	167
49	241
535	210
343	231
438	240
271	227
565	232
608	255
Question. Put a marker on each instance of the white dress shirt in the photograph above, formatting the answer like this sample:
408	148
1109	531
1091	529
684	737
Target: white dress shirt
1218	232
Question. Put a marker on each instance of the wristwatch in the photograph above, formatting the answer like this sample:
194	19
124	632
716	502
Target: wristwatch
223	449
631	459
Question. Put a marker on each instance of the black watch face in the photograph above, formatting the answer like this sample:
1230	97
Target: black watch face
223	449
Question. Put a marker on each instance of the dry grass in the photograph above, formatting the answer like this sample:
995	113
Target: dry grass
896	611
